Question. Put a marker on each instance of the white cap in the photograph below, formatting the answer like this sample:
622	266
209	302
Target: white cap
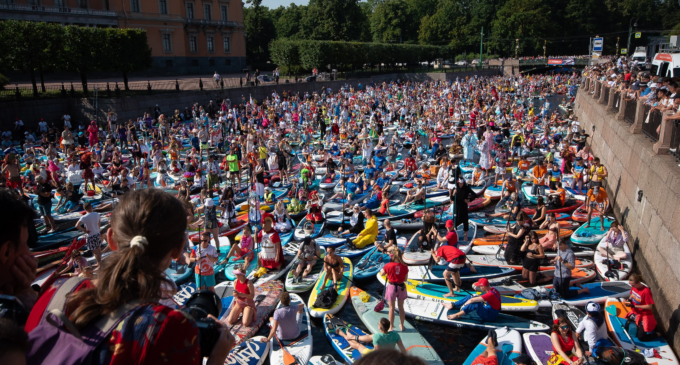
653	84
592	307
209	202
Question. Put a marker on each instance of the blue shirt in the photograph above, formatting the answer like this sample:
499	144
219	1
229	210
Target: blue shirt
381	182
379	161
350	186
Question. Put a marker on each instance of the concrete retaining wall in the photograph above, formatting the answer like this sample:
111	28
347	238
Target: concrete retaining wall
82	109
645	190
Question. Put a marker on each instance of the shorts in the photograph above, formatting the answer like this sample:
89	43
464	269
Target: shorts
204	146
454	268
395	292
45	209
71	205
307	263
481	360
94	242
205	280
210	224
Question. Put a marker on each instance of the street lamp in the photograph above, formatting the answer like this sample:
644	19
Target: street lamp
630	30
516	46
545	42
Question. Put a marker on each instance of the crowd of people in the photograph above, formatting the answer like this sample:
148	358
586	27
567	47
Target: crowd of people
225	149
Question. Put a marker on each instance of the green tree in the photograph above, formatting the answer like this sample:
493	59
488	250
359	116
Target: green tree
127	50
285	53
260	31
527	20
334	20
83	47
287	20
392	21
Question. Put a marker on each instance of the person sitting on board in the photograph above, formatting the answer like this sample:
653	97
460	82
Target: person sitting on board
428	234
244	249
390	238
271	253
244	292
385	339
565	344
557	197
641	305
355	224
593	330
487	306
455	260
416	195
597	199
307	254
333	267
314	214
285	323
513	204
269	196
368	235
488	357
282	218
614	240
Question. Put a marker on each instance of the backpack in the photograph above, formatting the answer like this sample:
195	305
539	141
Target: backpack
326	298
619	356
57	341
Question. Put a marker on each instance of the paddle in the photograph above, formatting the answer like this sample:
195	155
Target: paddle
614	312
288	359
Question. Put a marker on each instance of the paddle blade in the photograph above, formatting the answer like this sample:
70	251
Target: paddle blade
612	310
288	359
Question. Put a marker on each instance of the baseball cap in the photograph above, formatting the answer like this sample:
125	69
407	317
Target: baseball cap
592	307
449	223
481	282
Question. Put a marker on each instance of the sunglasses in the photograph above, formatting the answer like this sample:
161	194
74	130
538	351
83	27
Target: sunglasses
205	240
564	327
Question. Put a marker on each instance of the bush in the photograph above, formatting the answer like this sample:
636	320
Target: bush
4	81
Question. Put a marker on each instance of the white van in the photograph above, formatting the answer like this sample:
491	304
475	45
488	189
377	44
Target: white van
666	64
640	55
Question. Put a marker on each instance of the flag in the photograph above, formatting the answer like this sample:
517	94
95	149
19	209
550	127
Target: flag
251	100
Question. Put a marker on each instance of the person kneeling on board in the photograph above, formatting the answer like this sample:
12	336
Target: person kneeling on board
641	304
455	259
487	305
368	235
286	320
384	339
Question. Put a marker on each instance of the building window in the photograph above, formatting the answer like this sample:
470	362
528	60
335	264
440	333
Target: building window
167	43
211	44
226	42
224	11
163	6
211	62
134	6
60	3
194	63
190	10
227	62
82	4
193	44
106	5
168	63
207	15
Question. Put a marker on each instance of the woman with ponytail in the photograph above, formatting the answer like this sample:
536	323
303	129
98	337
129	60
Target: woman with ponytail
395	289
146	234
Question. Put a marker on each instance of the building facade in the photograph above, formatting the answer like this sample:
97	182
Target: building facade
185	36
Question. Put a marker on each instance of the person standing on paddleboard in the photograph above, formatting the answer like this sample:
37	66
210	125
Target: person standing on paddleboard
395	289
487	306
205	258
455	260
564	263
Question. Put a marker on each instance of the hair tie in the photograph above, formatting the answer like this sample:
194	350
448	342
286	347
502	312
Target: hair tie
556	321
139	241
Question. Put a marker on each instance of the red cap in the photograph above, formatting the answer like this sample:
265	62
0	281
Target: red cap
449	224
481	282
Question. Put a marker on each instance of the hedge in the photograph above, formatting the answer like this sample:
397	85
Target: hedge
316	54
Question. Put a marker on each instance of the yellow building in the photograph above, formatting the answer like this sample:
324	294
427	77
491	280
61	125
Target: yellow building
185	36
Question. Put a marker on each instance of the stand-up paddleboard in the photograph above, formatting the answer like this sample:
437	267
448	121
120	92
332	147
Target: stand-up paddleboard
564	224
514	284
538	346
414	342
301	346
591	235
436	273
499	261
250	352
316	229
347	354
429	311
435	293
308	281
324	360
581	214
481	219
343	291
496	239
266	297
599	292
615	324
579	251
610	272
509	347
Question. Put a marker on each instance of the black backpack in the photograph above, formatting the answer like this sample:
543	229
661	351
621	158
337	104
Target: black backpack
619	356
326	298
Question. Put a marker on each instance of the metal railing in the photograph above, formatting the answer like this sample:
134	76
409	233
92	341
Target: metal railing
55	9
606	94
617	101
675	139
631	110
651	124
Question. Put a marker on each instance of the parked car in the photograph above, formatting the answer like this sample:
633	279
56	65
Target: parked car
265	78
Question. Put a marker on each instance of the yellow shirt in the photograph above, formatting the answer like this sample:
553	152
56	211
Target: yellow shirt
263	152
